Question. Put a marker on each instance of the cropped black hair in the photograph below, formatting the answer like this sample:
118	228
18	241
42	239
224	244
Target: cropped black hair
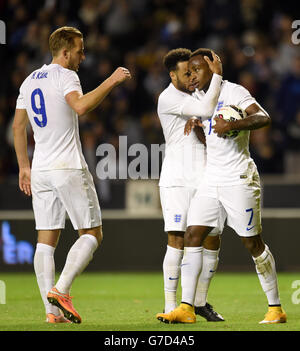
203	52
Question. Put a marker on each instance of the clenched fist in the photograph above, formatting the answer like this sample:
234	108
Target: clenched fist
120	75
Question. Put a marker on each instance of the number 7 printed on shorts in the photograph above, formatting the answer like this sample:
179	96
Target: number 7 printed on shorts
249	227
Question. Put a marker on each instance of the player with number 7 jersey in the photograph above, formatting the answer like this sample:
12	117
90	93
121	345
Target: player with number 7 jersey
231	183
230	186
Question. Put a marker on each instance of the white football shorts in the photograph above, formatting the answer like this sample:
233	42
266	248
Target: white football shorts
239	203
175	203
57	192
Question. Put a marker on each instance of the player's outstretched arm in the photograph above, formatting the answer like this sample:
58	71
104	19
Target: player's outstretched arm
82	104
20	142
256	118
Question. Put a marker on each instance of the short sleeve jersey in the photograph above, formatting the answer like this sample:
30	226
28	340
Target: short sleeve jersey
54	122
185	156
228	159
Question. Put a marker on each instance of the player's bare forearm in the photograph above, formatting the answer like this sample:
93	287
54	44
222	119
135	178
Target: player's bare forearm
20	142
83	104
256	118
200	134
92	99
250	123
20	138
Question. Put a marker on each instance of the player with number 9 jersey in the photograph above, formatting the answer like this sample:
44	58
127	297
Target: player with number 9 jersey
54	122
51	99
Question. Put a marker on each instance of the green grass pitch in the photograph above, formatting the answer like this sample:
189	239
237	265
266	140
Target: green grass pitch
130	301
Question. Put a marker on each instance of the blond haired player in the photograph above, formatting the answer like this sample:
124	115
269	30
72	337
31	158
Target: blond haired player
51	99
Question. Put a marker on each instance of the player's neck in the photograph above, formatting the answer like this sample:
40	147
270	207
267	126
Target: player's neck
181	88
206	86
59	61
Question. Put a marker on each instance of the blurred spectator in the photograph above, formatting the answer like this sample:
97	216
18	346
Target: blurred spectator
288	98
252	38
268	157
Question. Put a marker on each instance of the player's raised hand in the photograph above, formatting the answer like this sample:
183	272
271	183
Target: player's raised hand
25	180
191	124
120	75
215	65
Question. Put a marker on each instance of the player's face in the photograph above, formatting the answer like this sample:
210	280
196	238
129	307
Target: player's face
200	73
181	76
76	54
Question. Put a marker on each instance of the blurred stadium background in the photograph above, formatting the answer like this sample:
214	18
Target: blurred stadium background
254	40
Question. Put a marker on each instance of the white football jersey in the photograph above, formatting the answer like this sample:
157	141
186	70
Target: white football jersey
228	159
54	122
185	156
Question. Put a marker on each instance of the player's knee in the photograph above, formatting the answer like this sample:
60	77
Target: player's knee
212	242
195	235
192	237
97	232
176	240
99	235
254	245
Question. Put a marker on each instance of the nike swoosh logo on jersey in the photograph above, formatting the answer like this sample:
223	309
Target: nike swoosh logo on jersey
170	278
250	228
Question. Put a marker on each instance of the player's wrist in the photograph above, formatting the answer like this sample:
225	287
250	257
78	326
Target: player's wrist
23	170
231	125
218	74
24	164
113	81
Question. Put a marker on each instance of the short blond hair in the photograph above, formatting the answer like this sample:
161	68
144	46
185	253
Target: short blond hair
63	38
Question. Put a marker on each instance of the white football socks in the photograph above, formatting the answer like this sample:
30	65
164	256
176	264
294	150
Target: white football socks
266	270
210	259
190	270
171	272
78	258
44	268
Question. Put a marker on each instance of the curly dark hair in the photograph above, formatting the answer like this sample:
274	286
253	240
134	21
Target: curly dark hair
174	56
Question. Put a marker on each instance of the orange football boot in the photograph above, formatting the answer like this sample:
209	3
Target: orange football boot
64	303
52	318
182	314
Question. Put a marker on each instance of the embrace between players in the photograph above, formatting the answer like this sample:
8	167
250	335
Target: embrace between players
195	204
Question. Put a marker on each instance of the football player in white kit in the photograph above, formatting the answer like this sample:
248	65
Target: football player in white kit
230	185
182	168
51	99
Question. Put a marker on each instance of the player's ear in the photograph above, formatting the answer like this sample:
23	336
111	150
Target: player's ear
172	75
66	54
